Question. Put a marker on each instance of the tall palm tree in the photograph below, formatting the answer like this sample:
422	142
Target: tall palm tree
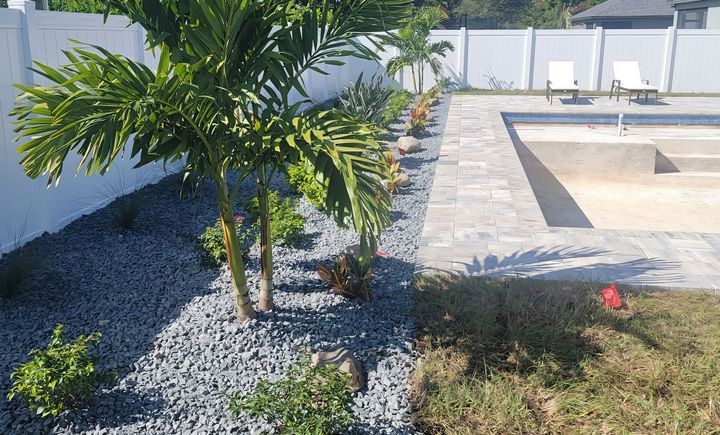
221	62
416	51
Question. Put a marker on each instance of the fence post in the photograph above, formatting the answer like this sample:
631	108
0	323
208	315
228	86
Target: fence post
528	59
669	60
596	72
462	58
27	34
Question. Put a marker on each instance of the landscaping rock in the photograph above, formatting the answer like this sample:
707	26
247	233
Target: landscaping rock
410	144
403	180
345	361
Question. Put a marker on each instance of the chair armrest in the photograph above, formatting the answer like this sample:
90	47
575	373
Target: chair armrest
576	82
647	82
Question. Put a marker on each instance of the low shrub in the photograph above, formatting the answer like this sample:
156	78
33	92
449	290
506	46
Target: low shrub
366	100
397	104
304	182
309	400
393	170
418	117
287	226
128	211
211	243
14	270
349	277
59	377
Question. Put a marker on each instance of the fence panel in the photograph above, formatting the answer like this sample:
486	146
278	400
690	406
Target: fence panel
696	66
495	59
644	46
563	45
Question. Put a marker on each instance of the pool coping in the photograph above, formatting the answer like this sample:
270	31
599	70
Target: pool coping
483	217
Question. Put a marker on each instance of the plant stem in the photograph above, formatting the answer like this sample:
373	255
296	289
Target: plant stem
412	69
266	263
241	292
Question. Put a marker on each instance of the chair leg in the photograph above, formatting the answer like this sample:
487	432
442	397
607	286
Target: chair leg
646	97
630	98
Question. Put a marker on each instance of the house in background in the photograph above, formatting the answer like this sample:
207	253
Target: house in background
627	14
696	14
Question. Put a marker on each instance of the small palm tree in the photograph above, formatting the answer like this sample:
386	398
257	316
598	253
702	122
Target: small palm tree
416	51
223	66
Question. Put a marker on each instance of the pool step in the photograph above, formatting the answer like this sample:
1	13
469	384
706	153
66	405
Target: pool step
687	146
687	162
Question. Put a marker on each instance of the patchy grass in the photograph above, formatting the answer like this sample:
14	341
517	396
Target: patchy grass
538	92
525	356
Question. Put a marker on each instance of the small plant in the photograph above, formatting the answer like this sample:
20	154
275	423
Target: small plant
286	225
398	103
349	277
433	93
211	243
394	172
15	267
366	100
302	181
59	377
128	211
309	400
418	117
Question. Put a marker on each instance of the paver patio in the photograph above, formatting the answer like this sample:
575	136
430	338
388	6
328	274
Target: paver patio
483	217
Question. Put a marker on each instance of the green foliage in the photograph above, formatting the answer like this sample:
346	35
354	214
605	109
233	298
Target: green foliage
416	50
211	243
309	400
87	6
128	211
59	377
366	100
14	270
349	277
398	103
3	3
303	181
418	117
286	225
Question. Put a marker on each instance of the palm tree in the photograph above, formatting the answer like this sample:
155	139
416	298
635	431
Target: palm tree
220	63
416	51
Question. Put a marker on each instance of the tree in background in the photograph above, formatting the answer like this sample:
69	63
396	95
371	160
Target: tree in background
218	60
415	50
87	6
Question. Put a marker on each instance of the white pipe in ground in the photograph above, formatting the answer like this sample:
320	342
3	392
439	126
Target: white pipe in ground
620	124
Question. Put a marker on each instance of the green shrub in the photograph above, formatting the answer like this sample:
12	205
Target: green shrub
286	225
128	211
397	104
366	100
309	400
60	377
211	243
14	270
304	182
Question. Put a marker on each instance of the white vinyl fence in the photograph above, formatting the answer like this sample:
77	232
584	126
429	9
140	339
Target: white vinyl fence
675	60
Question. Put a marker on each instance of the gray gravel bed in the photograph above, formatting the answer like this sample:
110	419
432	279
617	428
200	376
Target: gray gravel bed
168	323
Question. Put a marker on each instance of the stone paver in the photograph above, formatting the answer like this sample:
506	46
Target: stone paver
483	217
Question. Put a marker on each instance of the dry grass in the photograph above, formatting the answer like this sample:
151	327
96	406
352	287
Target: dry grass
539	357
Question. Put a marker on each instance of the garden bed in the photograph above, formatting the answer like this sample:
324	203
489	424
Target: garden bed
169	324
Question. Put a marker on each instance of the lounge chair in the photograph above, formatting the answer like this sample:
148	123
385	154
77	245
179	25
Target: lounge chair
561	80
628	79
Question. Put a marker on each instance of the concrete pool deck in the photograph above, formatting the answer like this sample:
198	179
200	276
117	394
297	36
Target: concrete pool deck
483	217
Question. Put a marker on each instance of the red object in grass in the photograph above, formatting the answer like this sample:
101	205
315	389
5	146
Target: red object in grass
591	126
381	253
402	151
611	298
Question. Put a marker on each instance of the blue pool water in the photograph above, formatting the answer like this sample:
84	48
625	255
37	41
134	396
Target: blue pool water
612	119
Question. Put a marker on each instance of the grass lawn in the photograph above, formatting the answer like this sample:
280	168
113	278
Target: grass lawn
537	92
521	356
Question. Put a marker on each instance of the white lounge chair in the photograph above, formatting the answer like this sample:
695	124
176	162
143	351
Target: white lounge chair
628	79
561	80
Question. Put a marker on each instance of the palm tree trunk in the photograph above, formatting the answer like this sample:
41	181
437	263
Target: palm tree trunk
241	292
421	69
412	69
266	263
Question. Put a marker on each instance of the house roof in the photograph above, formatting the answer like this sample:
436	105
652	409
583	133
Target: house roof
627	9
